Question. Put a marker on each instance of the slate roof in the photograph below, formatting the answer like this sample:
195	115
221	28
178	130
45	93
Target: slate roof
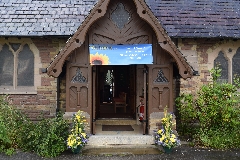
42	17
198	18
180	18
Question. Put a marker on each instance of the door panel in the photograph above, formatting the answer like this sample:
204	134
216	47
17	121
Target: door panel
160	88
160	98
78	90
72	97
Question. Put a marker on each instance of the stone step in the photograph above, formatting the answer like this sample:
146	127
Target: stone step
103	140
120	145
120	142
121	150
116	122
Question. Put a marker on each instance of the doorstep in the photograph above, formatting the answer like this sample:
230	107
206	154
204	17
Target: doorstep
120	150
122	144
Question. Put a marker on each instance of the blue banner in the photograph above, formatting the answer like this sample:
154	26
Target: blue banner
105	54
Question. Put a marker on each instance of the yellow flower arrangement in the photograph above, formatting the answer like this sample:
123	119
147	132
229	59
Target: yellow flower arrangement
165	136
77	137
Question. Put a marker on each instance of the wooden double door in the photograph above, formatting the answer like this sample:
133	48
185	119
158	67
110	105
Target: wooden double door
152	82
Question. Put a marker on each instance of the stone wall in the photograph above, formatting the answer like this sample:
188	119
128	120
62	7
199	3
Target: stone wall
200	54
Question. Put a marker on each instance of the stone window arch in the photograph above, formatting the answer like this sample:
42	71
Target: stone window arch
230	50
19	59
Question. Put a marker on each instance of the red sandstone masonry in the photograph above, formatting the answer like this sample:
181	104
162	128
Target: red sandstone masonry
46	46
201	46
44	92
28	100
45	81
22	99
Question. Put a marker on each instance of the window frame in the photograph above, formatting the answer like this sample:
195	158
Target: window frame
37	64
229	49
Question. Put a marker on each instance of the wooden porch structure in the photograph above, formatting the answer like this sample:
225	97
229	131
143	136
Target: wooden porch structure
120	22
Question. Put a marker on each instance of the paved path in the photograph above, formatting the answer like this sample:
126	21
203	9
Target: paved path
180	153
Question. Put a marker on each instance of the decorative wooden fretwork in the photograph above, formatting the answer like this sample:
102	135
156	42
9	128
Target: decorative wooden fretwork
120	16
160	77
222	62
124	26
78	78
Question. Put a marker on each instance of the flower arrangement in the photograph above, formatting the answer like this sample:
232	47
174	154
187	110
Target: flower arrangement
77	138
165	137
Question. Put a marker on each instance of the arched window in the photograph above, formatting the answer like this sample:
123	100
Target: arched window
222	62
25	69
16	68
6	66
235	64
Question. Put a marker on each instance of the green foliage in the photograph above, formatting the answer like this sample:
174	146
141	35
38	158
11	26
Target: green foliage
11	122
221	139
5	141
188	116
47	138
212	117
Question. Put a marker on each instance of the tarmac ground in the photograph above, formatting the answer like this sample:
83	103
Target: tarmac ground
183	152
